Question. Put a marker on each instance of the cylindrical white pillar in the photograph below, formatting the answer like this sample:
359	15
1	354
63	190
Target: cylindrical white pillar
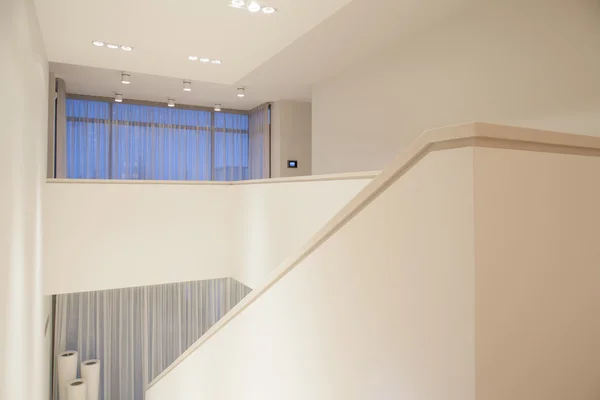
66	363
90	372
77	390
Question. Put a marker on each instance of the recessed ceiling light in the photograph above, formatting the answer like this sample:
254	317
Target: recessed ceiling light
98	43
126	48
216	61
193	58
112	46
238	3
125	78
217	107
241	92
254	7
204	59
187	86
268	10
171	103
118	98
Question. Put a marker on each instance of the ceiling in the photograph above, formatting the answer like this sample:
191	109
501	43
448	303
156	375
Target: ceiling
106	82
358	33
164	33
275	57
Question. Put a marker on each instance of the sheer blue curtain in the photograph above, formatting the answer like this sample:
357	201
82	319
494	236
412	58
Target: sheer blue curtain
130	141
231	147
88	139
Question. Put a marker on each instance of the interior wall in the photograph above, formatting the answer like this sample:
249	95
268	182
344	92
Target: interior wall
279	218
522	62
382	309
48	358
538	267
111	235
115	235
291	135
23	133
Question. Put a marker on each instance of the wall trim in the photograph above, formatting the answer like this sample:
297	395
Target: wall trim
308	178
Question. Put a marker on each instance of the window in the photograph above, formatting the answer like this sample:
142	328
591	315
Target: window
107	140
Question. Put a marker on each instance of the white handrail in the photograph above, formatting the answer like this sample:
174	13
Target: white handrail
295	179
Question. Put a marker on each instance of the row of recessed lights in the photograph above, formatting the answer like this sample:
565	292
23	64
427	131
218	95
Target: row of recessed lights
129	48
252	6
204	60
123	47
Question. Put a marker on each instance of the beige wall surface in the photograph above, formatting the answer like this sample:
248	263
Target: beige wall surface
106	236
23	134
277	219
537	227
383	309
523	62
111	235
291	135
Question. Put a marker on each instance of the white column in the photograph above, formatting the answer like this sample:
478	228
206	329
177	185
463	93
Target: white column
23	130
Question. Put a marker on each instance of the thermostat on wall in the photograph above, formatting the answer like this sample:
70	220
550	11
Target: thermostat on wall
292	164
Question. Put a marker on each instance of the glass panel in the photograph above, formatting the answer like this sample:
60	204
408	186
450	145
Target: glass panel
149	142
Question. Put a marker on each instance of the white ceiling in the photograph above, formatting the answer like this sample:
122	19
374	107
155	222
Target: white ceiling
358	33
164	33
106	82
275	56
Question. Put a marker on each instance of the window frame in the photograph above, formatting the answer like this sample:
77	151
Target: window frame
110	122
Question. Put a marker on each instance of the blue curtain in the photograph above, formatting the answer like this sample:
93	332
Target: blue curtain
129	141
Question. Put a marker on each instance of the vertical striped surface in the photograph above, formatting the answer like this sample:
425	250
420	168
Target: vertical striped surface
137	332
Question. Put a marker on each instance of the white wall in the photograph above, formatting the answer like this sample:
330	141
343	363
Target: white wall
110	235
383	309
291	133
23	130
103	236
439	288
538	270
277	219
523	62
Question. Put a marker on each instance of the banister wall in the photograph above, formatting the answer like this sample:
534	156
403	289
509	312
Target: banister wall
111	234
468	269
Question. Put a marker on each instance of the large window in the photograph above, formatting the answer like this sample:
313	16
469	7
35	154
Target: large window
107	140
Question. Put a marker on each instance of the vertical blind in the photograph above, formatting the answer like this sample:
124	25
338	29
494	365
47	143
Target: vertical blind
106	140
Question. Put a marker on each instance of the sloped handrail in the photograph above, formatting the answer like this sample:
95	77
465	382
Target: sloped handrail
474	134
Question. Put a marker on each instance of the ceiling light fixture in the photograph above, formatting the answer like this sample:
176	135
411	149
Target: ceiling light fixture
125	78
187	86
118	98
241	92
113	46
171	103
216	61
204	59
254	7
217	107
193	58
